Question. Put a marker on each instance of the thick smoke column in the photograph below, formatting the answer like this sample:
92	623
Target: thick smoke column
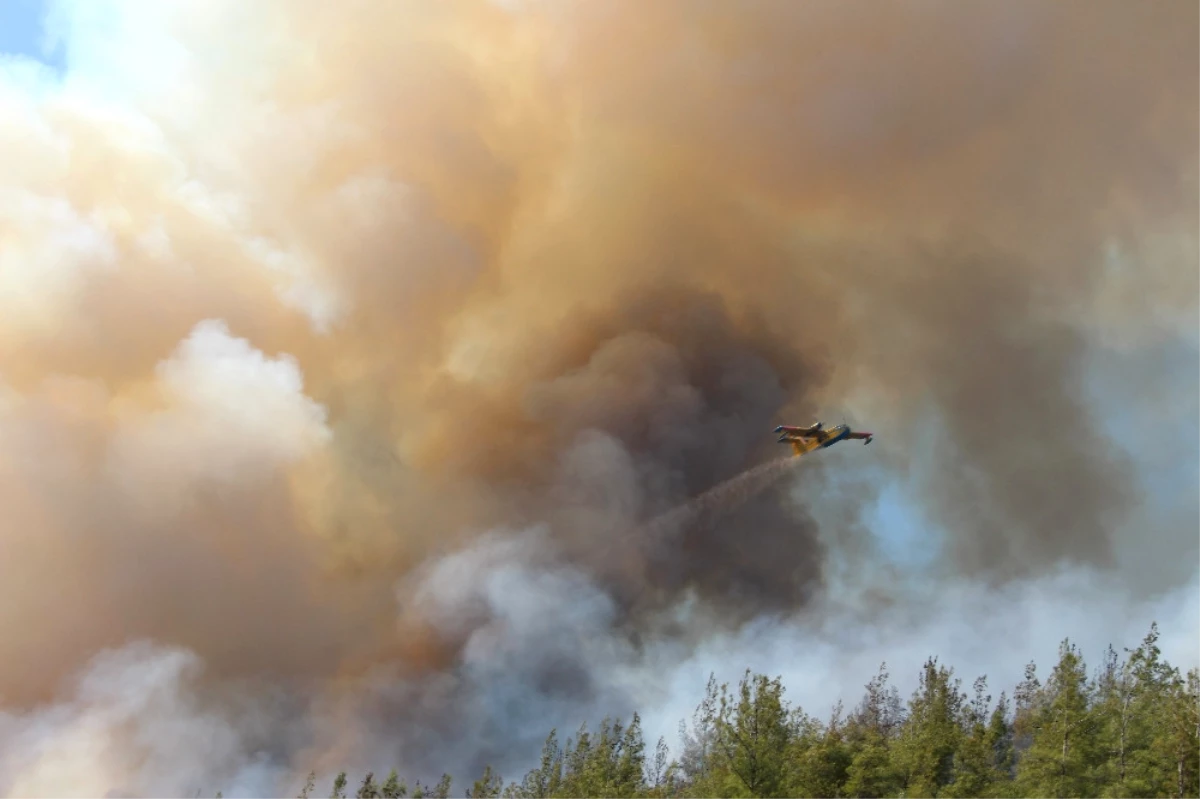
344	350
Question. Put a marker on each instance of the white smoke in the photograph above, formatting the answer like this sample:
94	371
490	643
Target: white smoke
132	724
232	416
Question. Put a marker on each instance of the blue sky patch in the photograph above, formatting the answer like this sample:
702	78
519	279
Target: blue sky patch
23	33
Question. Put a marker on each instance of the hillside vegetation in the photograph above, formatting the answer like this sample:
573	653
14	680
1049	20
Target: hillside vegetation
1129	727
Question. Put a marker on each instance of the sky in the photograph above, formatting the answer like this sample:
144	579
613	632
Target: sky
355	368
23	33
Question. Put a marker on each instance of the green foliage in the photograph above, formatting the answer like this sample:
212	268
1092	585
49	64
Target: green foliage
820	757
368	789
1064	750
1132	729
753	733
393	787
933	734
339	787
486	787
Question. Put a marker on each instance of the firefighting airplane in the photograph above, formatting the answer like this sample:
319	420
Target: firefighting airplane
806	439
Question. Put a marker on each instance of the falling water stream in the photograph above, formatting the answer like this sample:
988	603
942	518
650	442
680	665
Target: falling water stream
707	508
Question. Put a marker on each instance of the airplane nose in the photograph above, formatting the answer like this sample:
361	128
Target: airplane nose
779	429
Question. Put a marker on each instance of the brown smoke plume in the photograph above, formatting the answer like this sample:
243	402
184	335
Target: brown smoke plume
342	345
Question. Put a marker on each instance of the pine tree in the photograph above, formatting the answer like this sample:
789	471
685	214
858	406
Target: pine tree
1064	750
870	733
1117	708
486	787
1179	735
973	770
880	711
657	769
664	776
368	789
753	734
1149	762
545	780
931	737
871	773
1028	699
393	788
818	757
309	784
339	787
442	789
1000	738
630	765
698	765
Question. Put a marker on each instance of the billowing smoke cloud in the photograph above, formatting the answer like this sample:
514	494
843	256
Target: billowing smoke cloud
134	716
348	351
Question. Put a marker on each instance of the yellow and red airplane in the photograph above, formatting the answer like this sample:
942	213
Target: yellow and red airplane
815	436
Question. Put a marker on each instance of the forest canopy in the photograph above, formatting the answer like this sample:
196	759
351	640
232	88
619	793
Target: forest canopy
1127	726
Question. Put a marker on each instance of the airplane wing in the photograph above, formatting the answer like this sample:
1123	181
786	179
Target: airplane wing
802	439
799	433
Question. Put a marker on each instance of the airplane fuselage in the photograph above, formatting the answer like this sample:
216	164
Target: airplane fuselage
807	439
836	434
